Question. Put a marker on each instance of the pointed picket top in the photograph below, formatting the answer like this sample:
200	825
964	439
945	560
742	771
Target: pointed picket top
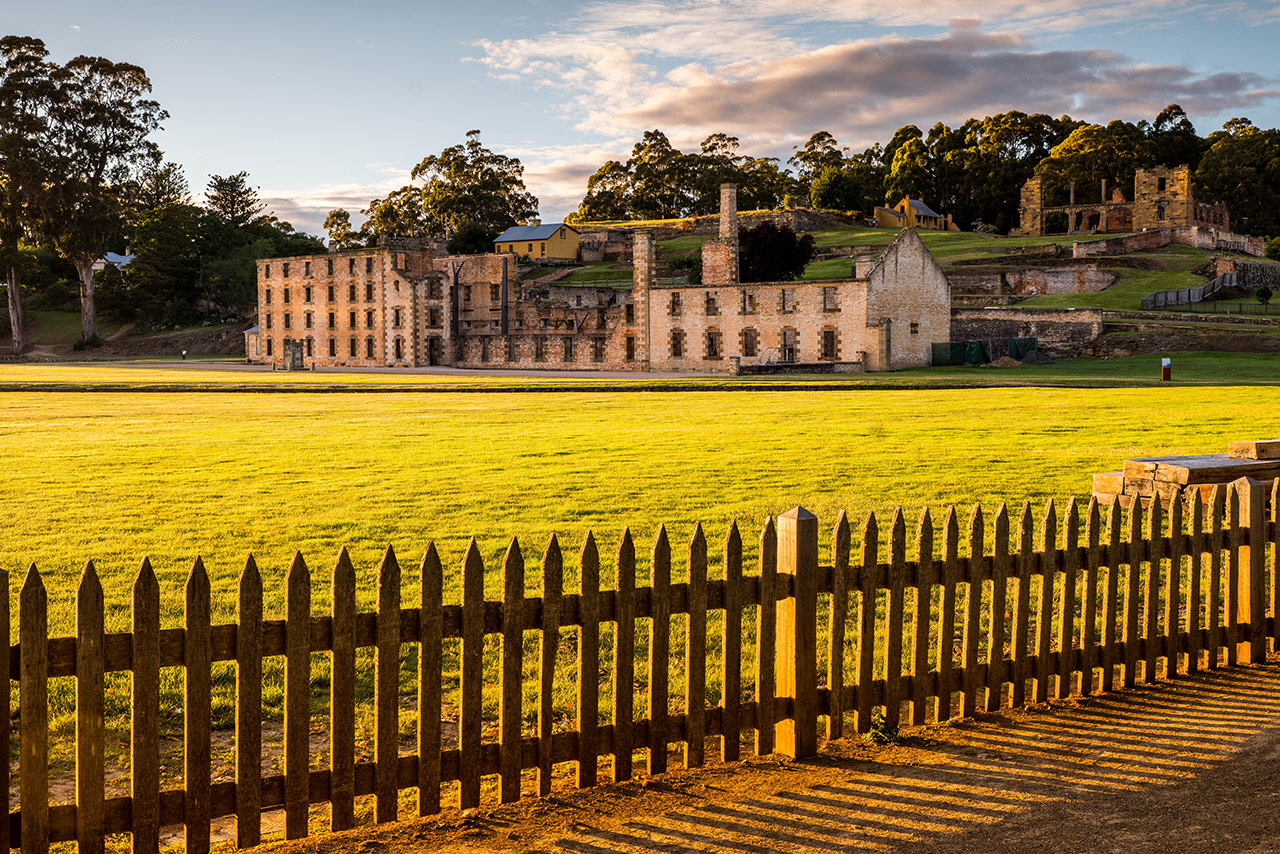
589	551
898	537
1113	523
1215	505
732	539
390	567
89	580
429	558
1092	515
1175	513
298	568
472	562
250	574
1156	517
842	535
1024	518
32	581
1071	525
1197	506
146	577
698	540
513	556
660	542
552	556
198	579
977	531
951	527
626	546
344	573
870	528
1002	522
924	528
1050	517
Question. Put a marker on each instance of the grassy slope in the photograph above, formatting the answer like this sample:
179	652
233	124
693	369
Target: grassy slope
61	329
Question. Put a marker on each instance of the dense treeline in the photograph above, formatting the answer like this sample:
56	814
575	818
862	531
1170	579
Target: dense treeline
80	177
974	171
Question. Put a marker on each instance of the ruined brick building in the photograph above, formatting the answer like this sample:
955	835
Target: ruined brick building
401	305
1162	198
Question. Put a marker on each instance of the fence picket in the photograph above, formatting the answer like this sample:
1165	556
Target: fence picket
6	678
90	713
1232	600
1022	610
588	711
866	578
695	652
1173	596
471	684
430	677
1110	652
893	640
659	649
387	695
921	694
510	713
1089	628
1215	577
342	695
999	602
297	698
1133	561
548	645
972	614
33	712
766	639
731	728
1274	570
947	626
1067	604
144	737
1044	615
1195	569
197	661
836	636
624	650
1155	528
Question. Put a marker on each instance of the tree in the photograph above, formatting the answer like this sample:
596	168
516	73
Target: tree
343	236
27	91
836	189
1273	249
161	185
163	282
232	199
401	214
819	153
471	238
909	173
1242	168
470	182
101	120
769	252
1093	153
1263	294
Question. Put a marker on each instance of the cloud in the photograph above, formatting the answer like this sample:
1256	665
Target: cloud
773	71
75	27
307	207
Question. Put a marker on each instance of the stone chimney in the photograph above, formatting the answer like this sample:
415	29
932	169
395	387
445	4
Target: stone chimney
862	266
535	222
729	212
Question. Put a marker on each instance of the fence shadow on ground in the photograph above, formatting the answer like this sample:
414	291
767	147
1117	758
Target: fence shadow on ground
1066	775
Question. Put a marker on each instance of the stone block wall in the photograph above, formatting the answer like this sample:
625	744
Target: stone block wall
1074	279
1062	333
907	288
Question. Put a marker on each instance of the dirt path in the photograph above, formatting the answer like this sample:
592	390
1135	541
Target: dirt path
1188	766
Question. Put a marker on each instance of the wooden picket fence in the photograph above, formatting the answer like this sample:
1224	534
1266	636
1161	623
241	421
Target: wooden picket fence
991	628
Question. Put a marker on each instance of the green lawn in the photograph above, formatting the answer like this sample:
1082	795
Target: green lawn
114	477
603	271
62	329
1174	262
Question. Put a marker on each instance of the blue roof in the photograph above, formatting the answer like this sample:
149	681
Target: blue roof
923	210
531	232
117	260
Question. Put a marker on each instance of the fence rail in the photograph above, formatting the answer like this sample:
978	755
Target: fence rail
908	638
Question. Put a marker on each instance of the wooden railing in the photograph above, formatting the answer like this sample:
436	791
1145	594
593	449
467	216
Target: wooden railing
922	640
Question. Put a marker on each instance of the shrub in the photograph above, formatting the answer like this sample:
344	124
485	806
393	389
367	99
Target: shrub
773	253
1273	249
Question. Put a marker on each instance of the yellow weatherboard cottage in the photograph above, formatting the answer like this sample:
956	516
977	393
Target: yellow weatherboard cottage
535	240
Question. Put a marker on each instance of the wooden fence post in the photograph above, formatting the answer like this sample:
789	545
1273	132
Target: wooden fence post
33	712
1250	610
797	641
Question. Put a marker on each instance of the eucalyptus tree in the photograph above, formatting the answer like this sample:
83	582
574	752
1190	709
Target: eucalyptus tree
100	121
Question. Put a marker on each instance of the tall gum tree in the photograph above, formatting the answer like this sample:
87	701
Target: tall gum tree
26	94
100	121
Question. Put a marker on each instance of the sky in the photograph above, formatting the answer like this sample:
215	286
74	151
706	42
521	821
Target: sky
330	104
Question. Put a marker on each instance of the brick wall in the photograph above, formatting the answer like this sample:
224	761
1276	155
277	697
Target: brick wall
907	288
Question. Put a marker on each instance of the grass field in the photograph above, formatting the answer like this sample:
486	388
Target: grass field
115	477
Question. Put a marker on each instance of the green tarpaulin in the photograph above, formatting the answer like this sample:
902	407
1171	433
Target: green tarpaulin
948	353
976	353
1020	347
